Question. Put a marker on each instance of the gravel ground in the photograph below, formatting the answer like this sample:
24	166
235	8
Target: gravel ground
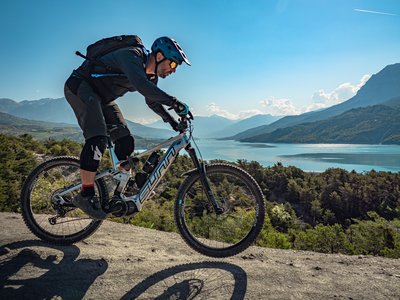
127	262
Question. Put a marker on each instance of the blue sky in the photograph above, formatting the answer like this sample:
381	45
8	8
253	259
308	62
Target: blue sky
248	57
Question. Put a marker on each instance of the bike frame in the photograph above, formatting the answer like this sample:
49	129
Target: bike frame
176	144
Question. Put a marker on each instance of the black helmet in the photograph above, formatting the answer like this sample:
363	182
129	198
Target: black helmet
170	49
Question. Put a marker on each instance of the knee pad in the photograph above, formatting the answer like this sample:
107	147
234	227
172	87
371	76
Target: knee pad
92	153
118	132
124	146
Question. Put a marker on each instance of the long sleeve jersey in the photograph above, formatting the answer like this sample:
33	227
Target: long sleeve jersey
126	73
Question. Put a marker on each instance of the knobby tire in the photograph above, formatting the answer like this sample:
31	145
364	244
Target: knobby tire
238	193
39	176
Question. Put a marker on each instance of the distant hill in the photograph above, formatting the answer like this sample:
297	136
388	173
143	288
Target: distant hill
54	110
377	124
11	125
217	126
379	88
149	132
15	126
394	102
245	124
7	105
49	110
204	127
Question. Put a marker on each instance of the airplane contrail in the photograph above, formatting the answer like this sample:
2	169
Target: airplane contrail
374	12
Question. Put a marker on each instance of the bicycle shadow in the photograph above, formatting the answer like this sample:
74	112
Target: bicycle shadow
216	280
64	277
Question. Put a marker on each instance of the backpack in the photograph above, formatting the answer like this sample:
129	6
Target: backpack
97	50
107	45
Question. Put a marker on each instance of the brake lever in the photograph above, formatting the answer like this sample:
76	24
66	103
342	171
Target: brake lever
182	126
189	113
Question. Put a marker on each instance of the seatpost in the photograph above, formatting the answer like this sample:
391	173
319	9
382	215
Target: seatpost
113	156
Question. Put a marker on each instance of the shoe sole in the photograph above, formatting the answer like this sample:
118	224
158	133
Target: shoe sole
82	208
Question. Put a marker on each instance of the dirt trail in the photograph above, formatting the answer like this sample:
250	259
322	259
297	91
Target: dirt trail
123	261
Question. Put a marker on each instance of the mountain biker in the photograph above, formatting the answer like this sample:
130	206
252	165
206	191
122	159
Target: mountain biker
92	96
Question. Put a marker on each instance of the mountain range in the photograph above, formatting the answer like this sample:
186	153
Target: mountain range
377	124
215	126
47	109
54	110
347	122
11	125
379	89
41	130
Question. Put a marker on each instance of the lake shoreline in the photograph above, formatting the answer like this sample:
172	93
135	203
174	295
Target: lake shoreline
308	157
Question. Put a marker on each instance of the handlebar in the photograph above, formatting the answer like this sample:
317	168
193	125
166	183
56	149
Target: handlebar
184	119
184	123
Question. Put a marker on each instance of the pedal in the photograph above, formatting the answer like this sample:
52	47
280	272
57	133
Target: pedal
115	207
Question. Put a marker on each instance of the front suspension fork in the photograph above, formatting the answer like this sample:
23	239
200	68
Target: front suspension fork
201	167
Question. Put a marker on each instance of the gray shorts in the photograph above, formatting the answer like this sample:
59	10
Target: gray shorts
93	116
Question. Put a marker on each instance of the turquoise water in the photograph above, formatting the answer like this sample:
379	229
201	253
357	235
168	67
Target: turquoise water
308	157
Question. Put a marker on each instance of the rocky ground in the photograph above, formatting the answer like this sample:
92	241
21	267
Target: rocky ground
123	261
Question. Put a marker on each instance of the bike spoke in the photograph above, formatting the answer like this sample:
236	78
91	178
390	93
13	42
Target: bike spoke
42	202
219	231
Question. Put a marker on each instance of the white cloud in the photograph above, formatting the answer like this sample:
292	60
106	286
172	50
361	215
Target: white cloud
283	106
144	121
249	113
214	109
363	80
272	105
279	107
323	99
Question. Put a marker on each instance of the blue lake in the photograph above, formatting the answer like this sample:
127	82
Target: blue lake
308	157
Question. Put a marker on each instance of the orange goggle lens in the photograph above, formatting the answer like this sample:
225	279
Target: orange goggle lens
173	64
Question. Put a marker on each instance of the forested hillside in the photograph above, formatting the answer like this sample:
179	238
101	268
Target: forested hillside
11	125
15	126
333	211
378	124
378	90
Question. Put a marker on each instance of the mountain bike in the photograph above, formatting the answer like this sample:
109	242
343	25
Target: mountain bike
219	209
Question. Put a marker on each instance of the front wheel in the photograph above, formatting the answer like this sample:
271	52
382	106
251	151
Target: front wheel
49	215
226	234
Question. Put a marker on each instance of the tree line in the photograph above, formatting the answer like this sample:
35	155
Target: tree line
335	211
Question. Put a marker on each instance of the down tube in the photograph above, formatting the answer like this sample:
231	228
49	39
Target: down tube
162	168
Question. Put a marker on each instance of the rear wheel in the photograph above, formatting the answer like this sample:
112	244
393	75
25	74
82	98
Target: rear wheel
53	218
226	234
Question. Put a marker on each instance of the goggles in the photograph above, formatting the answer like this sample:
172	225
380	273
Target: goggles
173	64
